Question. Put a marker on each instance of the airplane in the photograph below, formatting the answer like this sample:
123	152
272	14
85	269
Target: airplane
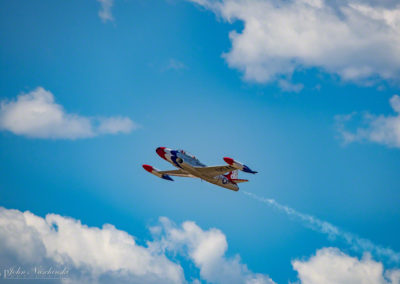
189	166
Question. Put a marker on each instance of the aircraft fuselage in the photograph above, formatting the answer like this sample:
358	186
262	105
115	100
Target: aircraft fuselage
190	164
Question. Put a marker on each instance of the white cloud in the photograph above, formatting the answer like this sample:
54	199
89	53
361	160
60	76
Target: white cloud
207	250
90	252
287	86
376	128
37	115
105	13
357	40
109	255
331	266
114	125
174	64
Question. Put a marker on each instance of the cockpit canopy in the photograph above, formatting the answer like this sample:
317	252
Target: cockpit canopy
191	157
187	154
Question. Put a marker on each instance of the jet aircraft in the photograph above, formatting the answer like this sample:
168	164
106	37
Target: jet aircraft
189	166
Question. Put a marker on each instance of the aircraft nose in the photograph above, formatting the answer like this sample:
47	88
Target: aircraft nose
161	152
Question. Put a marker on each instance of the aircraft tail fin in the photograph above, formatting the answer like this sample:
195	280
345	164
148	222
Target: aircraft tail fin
232	175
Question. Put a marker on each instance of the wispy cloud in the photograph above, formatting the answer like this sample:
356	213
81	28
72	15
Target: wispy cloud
37	115
288	86
333	232
175	64
375	128
105	13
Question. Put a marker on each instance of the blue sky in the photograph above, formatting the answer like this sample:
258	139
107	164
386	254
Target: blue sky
322	127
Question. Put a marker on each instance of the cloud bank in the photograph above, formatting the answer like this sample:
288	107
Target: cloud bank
355	242
109	255
37	115
356	40
376	128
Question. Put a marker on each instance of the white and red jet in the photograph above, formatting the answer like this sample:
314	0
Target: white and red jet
189	166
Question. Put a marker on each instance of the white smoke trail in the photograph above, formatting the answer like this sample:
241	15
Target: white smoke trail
355	242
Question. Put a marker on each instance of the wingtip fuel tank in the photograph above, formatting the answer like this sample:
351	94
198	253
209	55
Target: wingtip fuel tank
156	172
238	165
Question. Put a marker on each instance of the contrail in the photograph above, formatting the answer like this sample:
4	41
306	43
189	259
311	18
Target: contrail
355	242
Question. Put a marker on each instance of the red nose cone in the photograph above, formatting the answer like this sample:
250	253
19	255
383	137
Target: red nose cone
148	168
230	161
160	151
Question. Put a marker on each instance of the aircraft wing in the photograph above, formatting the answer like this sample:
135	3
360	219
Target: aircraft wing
215	170
177	173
